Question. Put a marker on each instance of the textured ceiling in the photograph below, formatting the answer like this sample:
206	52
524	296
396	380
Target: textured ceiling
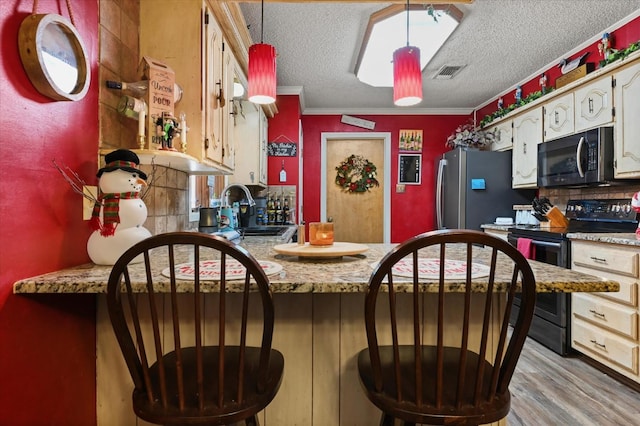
501	42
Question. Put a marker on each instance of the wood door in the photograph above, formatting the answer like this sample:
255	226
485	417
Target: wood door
357	217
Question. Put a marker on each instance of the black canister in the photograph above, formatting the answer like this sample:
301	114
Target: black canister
208	220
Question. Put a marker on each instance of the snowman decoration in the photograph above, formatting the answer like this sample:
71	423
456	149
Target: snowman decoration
119	212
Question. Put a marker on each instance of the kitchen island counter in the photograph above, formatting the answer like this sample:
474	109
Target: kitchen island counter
348	274
319	328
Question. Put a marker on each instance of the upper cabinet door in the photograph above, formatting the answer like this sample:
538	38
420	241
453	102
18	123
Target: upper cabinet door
627	143
527	134
213	55
504	136
559	117
594	104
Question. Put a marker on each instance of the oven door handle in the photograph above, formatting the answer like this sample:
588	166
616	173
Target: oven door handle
514	241
546	244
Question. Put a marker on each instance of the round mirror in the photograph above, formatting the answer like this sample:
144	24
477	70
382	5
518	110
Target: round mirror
54	57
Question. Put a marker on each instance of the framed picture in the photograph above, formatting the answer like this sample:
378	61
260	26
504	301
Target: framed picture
409	169
410	140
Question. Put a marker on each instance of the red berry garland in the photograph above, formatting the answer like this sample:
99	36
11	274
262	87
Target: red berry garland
356	174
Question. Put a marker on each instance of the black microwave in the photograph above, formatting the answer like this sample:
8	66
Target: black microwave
581	159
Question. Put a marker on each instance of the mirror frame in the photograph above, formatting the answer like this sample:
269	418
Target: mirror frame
30	44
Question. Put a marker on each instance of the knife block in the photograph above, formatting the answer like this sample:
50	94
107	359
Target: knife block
556	218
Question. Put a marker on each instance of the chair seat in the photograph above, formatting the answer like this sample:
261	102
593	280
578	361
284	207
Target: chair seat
487	412
255	400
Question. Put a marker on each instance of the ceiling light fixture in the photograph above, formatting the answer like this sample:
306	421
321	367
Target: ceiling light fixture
262	70
407	73
430	27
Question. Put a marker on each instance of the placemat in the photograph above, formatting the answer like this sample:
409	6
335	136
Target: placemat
430	269
210	270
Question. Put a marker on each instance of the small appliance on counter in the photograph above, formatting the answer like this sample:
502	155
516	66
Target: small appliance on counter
260	216
245	213
208	220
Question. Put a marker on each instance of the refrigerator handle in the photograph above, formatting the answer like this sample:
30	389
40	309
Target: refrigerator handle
439	187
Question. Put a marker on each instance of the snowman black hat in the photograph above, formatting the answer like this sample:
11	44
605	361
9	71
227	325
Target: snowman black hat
122	159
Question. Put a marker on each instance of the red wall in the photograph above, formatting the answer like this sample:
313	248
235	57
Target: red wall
284	128
412	212
622	37
47	342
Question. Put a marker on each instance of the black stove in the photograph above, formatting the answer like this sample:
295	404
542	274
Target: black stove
592	216
551	323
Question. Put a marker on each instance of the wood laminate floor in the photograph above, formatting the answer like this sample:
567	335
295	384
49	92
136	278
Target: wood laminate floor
548	389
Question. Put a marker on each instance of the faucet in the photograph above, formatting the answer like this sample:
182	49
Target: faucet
224	196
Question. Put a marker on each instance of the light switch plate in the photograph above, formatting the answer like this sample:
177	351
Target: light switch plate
87	205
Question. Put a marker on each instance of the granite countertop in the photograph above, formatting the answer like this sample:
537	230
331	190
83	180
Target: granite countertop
495	227
627	239
347	274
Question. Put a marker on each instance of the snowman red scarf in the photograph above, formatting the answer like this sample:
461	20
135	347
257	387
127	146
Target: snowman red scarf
111	206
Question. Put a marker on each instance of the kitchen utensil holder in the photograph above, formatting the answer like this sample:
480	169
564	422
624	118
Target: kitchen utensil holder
556	218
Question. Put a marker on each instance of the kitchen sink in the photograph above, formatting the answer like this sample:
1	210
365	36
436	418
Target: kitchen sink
265	231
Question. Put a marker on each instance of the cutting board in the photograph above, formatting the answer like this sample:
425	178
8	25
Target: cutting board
337	249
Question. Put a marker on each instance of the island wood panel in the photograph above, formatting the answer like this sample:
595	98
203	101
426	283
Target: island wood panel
292	335
326	358
320	336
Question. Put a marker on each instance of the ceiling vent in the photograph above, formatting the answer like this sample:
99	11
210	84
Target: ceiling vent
447	72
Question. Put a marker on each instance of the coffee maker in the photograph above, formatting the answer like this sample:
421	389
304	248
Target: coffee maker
246	213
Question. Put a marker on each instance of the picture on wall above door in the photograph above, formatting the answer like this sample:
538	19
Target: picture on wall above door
410	140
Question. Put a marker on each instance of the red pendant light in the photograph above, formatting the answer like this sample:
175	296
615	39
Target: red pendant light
262	70
262	73
407	73
407	76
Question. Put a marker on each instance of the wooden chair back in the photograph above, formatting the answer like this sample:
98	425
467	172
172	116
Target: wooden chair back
194	358
440	351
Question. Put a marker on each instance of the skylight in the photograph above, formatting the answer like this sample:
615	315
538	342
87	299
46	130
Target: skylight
429	28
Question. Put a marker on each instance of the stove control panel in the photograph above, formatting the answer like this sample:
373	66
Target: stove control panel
617	210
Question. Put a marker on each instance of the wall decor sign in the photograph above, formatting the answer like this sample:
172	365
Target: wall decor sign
409	169
282	149
358	122
410	140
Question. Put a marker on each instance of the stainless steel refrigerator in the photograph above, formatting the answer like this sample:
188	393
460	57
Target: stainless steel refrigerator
474	188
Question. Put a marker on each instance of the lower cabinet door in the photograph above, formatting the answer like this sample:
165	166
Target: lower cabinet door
611	350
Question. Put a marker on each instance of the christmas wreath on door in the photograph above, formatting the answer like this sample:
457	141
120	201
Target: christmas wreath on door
356	174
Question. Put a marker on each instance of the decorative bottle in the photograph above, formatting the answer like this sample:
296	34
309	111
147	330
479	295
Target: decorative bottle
139	89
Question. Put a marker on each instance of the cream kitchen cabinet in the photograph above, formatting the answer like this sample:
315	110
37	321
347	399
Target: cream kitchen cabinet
497	233
605	326
627	128
527	134
186	37
504	136
594	104
558	117
250	133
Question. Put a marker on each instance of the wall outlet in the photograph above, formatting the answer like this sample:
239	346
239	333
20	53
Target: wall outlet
87	205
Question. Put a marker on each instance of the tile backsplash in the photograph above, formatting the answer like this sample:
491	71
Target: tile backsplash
560	196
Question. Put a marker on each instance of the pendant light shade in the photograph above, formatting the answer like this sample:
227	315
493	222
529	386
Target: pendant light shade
407	76
407	73
262	73
262	69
